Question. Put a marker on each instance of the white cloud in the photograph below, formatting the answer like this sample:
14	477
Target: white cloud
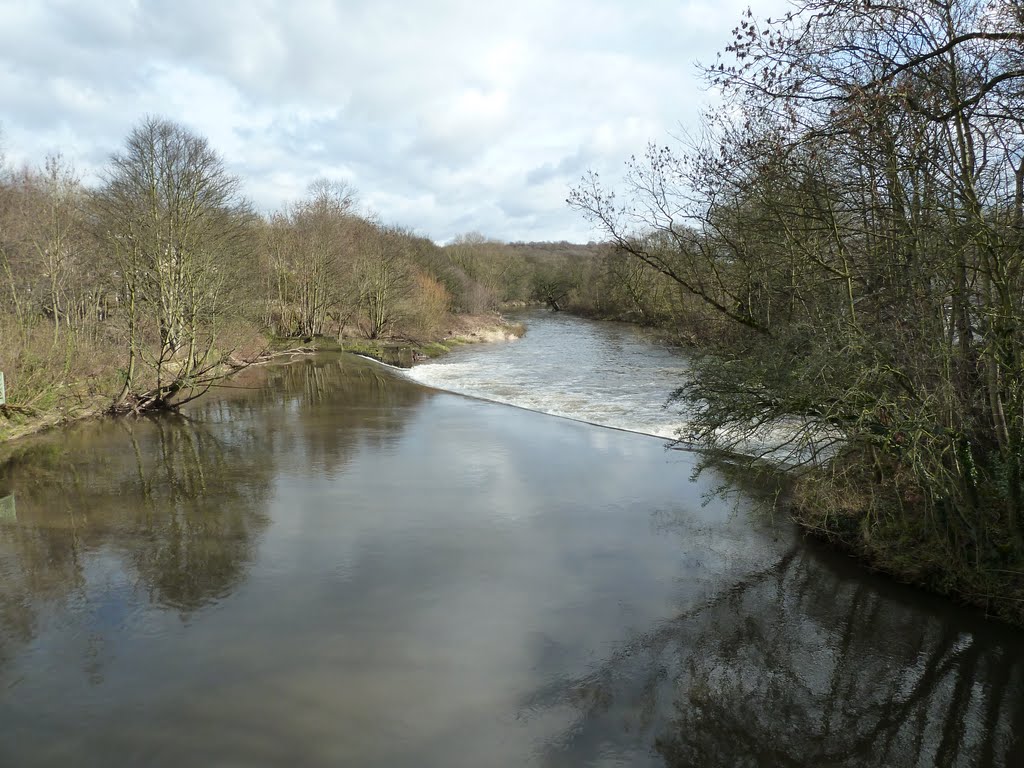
450	116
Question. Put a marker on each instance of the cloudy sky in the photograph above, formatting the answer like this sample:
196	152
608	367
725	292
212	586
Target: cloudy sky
447	116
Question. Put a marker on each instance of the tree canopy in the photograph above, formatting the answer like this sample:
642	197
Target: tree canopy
852	216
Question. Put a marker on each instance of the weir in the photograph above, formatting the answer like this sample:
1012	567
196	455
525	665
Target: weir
336	565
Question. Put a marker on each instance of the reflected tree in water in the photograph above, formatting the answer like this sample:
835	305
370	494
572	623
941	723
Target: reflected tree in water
179	501
37	563
319	411
794	665
197	512
178	506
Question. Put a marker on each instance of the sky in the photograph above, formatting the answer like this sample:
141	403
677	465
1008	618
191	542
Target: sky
446	116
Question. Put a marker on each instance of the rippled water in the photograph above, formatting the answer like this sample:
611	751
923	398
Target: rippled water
610	374
323	564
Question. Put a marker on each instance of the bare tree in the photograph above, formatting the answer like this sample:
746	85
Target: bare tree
384	278
179	231
310	253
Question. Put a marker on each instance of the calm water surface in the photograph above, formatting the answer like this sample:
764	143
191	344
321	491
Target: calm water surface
326	564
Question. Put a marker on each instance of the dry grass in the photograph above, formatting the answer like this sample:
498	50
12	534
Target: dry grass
52	380
486	327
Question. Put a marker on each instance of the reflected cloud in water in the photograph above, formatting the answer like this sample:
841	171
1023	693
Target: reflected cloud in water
800	663
325	565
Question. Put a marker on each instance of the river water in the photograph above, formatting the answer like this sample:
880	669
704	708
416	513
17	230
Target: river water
326	564
609	374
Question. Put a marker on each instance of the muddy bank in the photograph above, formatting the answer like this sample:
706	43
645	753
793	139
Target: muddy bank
462	330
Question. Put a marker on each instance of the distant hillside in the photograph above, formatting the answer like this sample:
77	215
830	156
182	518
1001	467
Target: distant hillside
562	248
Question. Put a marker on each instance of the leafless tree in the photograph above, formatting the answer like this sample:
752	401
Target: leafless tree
179	231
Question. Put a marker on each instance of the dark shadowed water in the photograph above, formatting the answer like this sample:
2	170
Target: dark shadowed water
329	565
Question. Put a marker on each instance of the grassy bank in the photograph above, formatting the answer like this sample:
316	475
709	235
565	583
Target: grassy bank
462	330
983	570
79	378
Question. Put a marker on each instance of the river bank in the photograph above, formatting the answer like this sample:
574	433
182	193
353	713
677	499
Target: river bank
461	330
74	400
926	562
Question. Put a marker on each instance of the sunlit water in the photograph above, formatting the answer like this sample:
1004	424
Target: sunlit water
610	374
327	565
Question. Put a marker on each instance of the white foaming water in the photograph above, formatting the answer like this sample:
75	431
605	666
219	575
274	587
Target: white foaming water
609	374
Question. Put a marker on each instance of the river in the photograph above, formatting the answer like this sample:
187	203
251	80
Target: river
609	374
325	563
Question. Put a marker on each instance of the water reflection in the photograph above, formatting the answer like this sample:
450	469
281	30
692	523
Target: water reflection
315	413
193	514
799	664
177	508
178	502
325	565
